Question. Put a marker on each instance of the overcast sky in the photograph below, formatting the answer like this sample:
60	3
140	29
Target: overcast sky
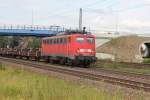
100	15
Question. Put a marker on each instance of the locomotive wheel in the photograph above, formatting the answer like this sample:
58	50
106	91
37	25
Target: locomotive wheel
37	59
27	58
62	61
70	62
51	61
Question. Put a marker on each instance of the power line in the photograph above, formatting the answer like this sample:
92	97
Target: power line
111	4
98	11
66	10
131	8
91	4
102	11
101	4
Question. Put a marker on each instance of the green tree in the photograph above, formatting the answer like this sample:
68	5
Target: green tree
36	43
3	42
14	41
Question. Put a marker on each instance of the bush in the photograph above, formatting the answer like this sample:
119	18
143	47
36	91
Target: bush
146	60
36	43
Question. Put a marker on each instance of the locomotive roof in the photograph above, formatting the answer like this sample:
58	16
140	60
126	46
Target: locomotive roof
90	35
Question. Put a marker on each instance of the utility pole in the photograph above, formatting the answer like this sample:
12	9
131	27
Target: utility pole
117	23
32	17
80	20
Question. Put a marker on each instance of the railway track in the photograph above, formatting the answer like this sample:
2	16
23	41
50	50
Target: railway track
87	75
130	74
137	65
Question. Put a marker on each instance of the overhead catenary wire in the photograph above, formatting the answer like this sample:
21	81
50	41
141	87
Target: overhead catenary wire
67	11
132	8
101	10
96	2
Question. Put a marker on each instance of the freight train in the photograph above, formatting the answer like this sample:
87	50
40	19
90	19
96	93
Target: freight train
73	48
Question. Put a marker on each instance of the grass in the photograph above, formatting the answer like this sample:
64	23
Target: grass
17	84
2	67
121	67
146	60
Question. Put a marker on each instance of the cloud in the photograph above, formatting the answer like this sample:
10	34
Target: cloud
136	23
147	1
58	12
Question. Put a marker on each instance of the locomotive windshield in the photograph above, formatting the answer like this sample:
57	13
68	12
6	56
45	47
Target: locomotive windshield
80	39
90	40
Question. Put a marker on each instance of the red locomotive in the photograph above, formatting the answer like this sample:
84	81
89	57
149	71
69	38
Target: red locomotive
73	48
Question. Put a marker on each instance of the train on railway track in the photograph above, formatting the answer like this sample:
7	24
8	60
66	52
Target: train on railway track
73	48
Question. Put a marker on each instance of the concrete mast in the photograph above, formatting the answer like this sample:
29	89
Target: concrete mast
80	19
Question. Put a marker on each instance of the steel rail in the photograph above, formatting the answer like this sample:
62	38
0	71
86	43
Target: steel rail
125	73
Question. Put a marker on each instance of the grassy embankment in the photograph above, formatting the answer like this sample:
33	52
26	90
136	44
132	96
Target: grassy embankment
17	84
121	67
146	60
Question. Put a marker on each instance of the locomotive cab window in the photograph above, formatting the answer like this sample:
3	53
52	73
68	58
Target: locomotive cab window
69	39
55	41
49	41
65	40
80	39
44	41
90	40
60	40
52	40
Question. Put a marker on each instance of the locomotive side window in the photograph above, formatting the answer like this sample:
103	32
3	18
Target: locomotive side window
46	41
57	40
50	41
90	40
54	41
80	39
65	40
69	39
61	40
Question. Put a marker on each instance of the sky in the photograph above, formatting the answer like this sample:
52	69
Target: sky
98	15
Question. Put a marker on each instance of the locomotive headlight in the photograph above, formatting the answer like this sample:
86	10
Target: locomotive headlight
81	50
85	50
89	50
